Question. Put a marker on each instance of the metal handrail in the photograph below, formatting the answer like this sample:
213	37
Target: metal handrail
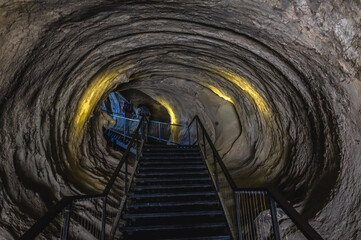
125	155
137	120
218	158
65	202
157	136
302	224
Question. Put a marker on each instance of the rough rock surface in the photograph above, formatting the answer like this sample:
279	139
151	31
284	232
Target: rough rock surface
277	83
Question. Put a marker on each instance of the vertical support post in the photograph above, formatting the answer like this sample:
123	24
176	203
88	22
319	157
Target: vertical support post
104	210
215	171
236	194
64	235
274	218
124	129
159	131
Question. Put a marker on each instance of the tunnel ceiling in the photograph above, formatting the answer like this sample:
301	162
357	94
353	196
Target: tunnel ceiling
276	83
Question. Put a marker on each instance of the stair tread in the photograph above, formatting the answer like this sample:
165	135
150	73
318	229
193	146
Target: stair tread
168	146
172	214
172	162
169	204
148	187
174	226
171	157
171	173
219	237
171	167
154	180
172	153
181	194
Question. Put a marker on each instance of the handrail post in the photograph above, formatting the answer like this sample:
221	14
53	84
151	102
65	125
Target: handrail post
274	218
236	194
64	235
137	140
124	129
104	211
159	131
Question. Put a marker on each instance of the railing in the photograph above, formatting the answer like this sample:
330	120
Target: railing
258	213
92	216
159	131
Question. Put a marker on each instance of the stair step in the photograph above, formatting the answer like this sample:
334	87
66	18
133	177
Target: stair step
164	195
169	146
172	162
173	204
220	237
166	187
171	180
171	157
173	227
171	153
175	174
172	214
181	167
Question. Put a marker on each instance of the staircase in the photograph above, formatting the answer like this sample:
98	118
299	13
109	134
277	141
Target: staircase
173	197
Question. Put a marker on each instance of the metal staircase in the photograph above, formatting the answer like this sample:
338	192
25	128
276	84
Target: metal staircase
172	192
173	197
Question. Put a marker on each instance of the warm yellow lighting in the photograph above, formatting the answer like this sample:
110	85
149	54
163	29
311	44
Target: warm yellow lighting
173	120
97	88
246	87
219	93
90	98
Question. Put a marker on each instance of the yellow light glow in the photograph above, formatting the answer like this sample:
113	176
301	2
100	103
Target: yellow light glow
90	98
246	87
219	93
173	120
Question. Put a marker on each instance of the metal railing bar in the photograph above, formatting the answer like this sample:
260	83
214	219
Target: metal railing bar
65	201
44	220
137	120
219	159
303	225
121	162
276	230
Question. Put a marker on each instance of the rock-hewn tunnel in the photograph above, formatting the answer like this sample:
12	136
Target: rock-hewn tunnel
277	83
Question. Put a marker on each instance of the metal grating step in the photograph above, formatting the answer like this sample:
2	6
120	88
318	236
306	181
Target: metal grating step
223	237
171	180
181	167
173	204
158	215
175	174
169	195
174	186
174	227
